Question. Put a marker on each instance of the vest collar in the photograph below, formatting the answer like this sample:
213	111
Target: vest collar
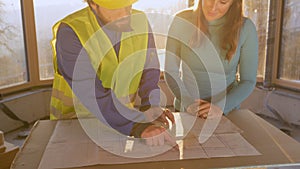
112	26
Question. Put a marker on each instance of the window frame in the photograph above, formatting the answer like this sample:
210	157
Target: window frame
277	50
31	53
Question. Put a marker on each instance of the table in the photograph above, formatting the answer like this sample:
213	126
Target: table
277	148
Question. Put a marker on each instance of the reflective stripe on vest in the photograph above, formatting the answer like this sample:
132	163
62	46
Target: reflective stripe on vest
122	74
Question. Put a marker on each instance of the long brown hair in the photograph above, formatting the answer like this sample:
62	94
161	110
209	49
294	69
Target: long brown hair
229	34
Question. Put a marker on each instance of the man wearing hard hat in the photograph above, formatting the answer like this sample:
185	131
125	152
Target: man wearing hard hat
104	55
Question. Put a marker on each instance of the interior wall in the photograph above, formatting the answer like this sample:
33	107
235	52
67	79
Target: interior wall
28	106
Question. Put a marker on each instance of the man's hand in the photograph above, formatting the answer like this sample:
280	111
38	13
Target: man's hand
158	114
163	118
157	135
204	109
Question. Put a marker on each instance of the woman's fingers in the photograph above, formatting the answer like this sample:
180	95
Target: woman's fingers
204	106
201	101
201	108
193	108
207	110
203	113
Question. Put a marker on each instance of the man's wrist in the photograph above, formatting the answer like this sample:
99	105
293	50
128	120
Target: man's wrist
147	107
144	108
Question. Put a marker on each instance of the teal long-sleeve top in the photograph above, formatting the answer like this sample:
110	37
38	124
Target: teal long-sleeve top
202	71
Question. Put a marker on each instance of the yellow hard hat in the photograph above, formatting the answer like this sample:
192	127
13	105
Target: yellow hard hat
114	4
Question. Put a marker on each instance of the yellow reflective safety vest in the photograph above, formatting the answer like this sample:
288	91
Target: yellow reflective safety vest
122	74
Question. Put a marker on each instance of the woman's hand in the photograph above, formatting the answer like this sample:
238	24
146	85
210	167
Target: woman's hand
204	109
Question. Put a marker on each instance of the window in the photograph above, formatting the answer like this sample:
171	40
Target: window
289	56
258	12
13	66
160	15
26	54
53	10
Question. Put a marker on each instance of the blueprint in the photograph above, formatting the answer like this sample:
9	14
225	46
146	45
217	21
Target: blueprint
85	142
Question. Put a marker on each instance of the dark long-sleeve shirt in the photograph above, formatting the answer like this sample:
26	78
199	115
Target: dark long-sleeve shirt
68	49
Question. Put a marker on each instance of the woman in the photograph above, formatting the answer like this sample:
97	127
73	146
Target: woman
206	48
